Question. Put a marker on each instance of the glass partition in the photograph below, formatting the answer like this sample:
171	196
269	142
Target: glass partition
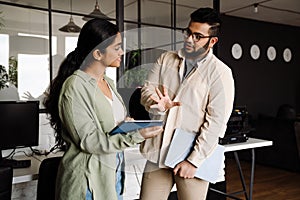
24	53
25	56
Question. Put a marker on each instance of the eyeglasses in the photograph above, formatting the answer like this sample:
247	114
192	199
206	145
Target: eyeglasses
196	36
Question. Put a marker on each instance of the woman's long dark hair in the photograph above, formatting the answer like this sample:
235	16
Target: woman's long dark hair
95	32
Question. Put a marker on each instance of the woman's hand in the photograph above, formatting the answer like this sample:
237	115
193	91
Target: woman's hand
164	102
151	131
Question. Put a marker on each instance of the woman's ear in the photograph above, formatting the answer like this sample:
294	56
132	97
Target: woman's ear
97	54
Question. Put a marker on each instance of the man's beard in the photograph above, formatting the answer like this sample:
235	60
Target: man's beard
199	52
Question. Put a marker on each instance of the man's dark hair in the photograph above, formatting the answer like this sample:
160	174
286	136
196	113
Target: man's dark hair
209	16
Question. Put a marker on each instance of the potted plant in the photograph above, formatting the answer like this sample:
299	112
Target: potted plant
3	77
12	75
13	71
1	20
135	73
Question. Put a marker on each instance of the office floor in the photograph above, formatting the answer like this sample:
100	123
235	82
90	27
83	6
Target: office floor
269	183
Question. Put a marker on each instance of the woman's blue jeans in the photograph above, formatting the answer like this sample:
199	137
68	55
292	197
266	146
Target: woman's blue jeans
120	175
119	179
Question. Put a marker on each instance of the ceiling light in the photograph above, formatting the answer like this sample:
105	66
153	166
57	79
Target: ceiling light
255	7
95	14
71	27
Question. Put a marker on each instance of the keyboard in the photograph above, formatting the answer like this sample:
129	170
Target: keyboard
16	163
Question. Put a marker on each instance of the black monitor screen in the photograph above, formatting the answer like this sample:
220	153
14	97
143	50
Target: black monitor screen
19	124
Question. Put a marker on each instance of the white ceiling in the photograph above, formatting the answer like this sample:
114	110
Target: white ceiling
276	11
158	11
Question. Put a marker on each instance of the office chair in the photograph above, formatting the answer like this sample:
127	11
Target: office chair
47	178
136	109
6	177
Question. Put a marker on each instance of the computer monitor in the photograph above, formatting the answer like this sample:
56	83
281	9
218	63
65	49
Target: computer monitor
19	124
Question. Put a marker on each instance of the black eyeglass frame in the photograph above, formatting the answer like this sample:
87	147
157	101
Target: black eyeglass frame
196	36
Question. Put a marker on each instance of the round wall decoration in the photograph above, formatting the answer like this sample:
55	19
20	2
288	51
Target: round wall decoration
271	53
236	51
255	51
287	55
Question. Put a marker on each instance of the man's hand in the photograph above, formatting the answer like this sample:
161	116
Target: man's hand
185	169
164	102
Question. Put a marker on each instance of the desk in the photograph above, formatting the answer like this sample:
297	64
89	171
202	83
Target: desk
135	165
250	144
31	173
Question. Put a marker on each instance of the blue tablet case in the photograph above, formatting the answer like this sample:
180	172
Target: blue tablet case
128	126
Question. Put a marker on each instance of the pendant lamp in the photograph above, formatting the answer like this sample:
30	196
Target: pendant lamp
71	27
255	7
96	13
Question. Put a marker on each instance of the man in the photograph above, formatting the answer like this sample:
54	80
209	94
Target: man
192	90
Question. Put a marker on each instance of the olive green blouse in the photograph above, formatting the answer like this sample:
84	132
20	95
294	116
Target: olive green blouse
90	160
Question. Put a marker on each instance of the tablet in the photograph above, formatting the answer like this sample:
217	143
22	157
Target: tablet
212	168
128	126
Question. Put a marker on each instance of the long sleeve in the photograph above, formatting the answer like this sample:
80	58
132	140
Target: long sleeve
219	108
88	117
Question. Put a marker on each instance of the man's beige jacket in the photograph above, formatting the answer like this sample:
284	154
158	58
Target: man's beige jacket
206	96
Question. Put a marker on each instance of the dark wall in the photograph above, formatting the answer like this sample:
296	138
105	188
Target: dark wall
262	85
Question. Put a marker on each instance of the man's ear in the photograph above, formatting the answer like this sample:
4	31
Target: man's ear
97	54
213	41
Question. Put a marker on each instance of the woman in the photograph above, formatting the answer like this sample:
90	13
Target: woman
84	106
